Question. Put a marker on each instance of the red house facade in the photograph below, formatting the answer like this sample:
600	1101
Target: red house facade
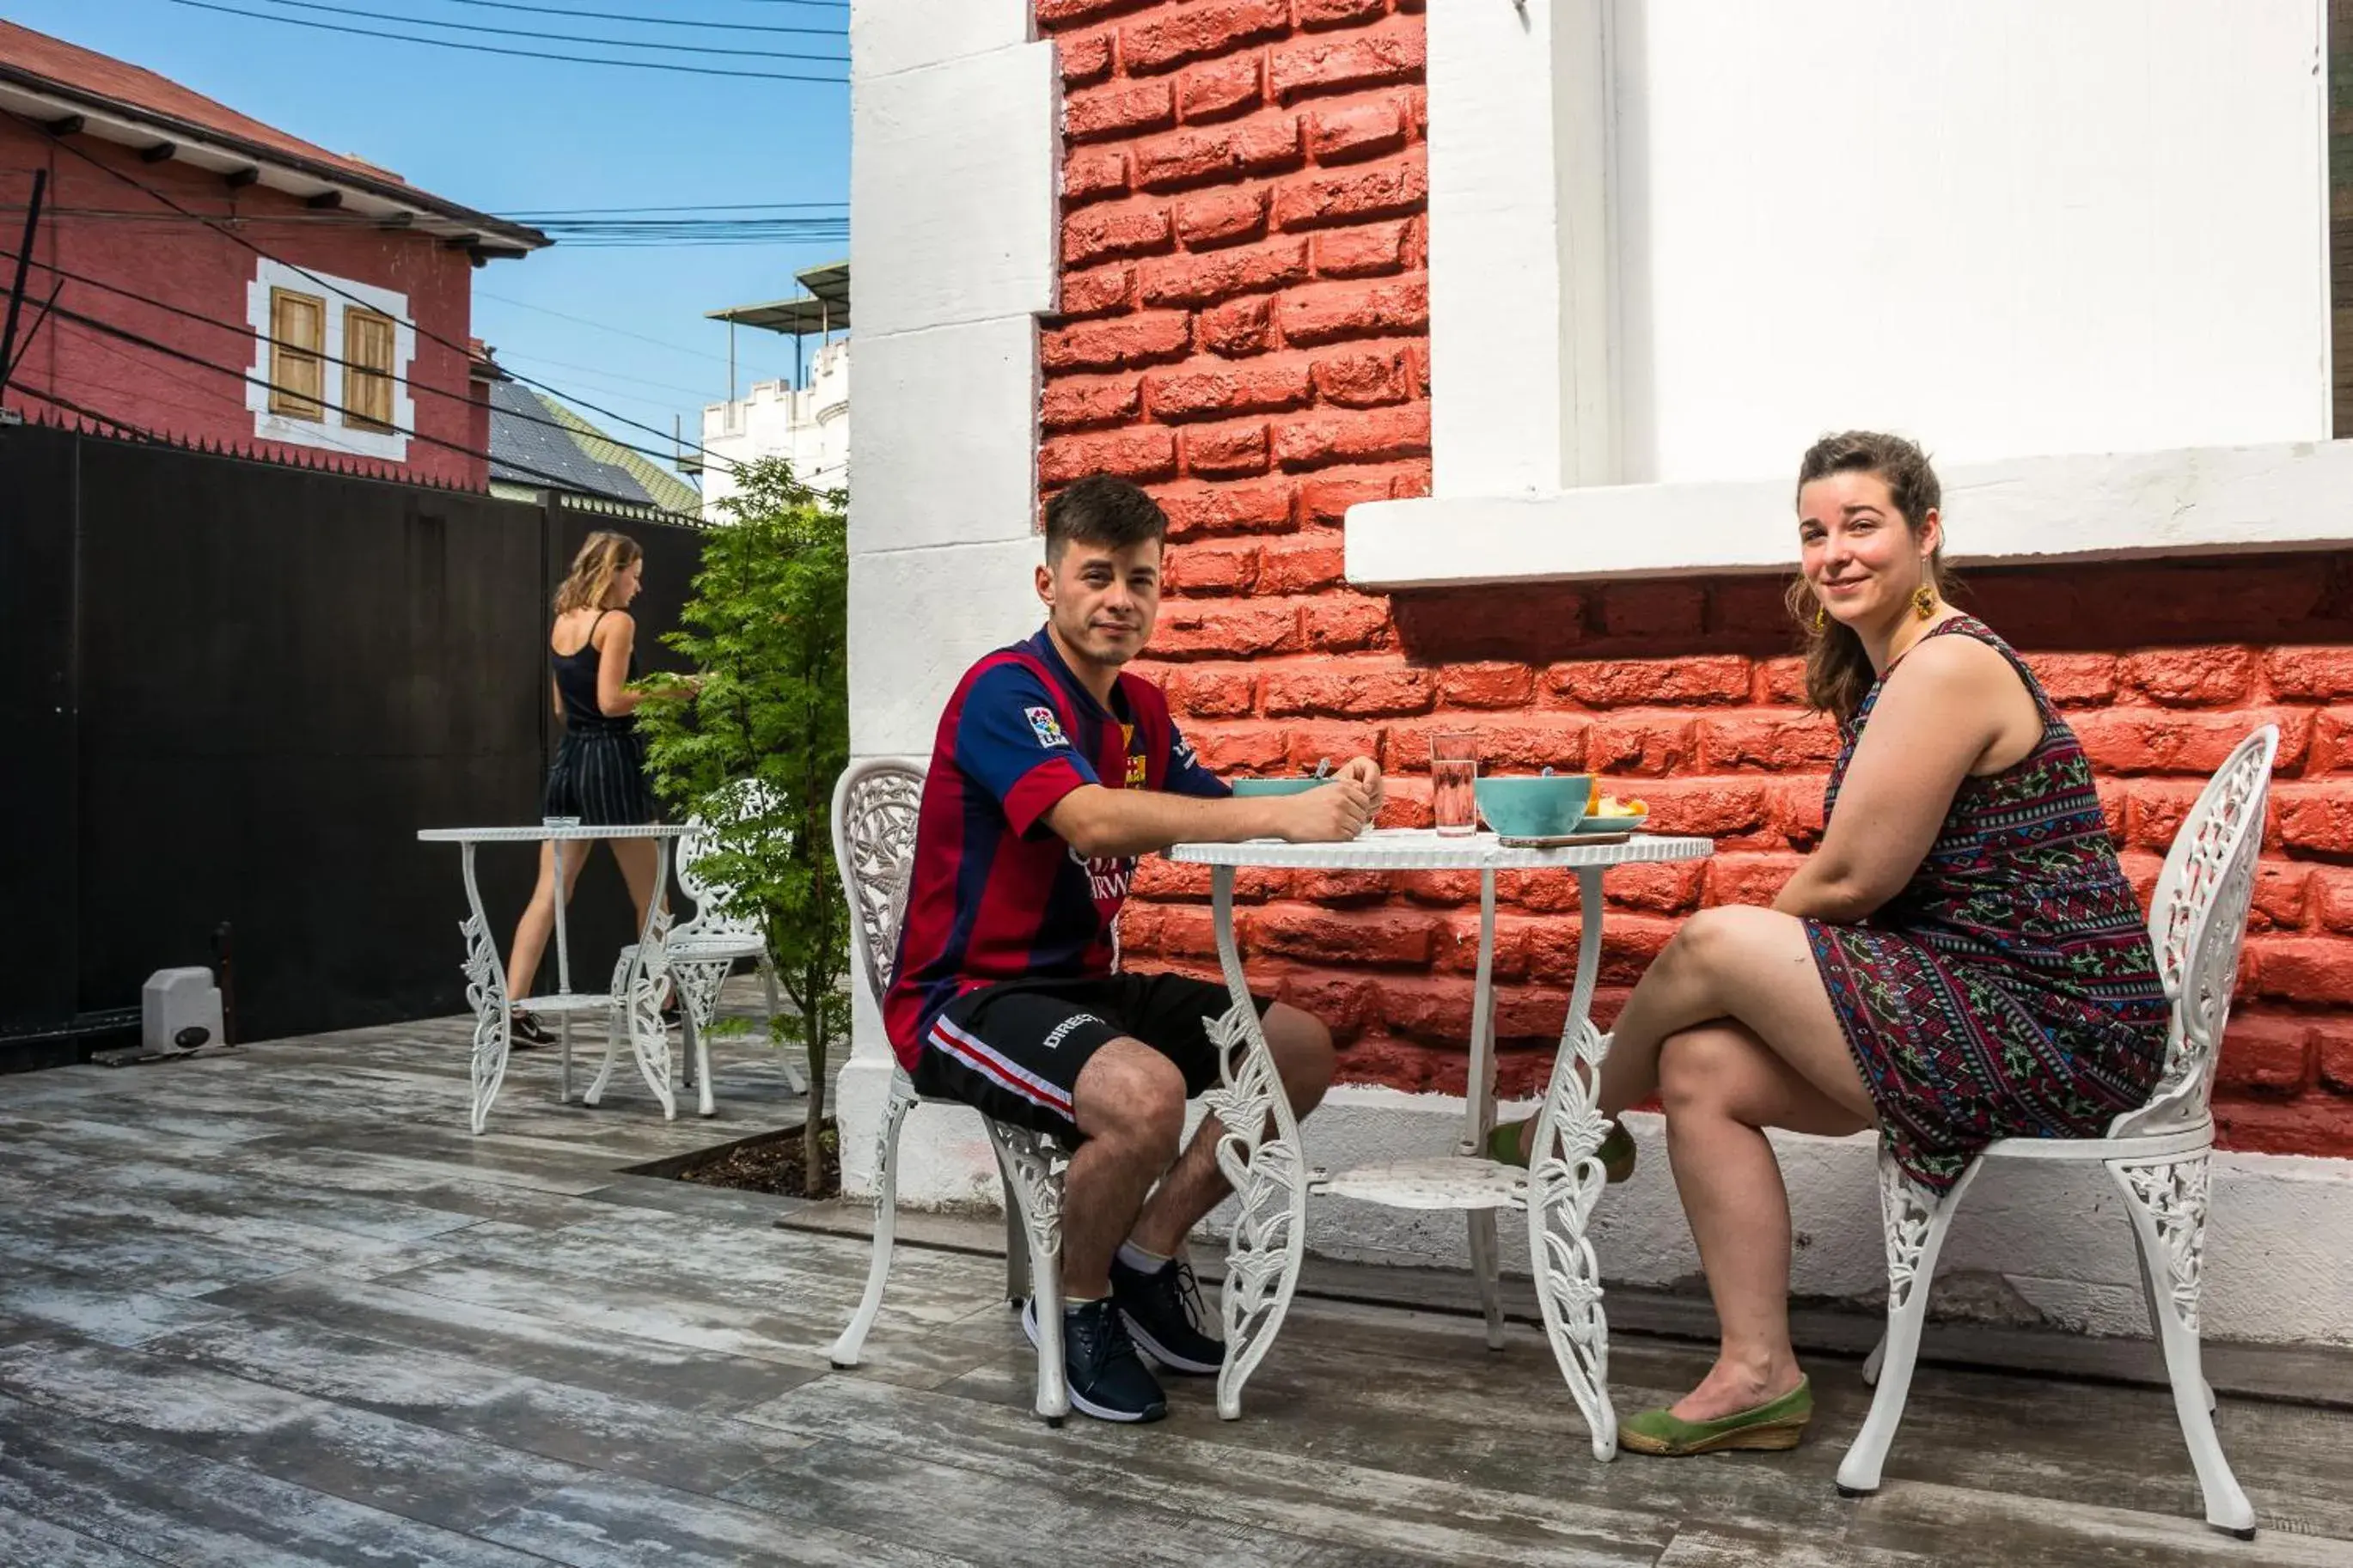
217	280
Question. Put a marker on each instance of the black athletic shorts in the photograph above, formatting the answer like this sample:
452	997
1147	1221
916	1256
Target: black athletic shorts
1014	1051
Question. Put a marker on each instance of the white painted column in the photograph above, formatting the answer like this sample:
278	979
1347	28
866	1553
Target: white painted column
953	182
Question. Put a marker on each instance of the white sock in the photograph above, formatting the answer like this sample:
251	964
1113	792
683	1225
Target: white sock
1142	1262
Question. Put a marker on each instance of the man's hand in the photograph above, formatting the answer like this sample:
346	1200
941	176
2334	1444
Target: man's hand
1331	813
1368	772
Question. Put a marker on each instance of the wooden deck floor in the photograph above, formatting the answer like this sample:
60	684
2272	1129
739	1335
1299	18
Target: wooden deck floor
279	1308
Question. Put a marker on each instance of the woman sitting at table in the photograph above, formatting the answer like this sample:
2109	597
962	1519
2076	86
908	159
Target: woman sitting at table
599	773
1960	960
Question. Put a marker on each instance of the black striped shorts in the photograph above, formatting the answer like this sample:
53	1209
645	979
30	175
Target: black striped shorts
599	776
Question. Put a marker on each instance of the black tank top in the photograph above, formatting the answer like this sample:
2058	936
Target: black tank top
575	682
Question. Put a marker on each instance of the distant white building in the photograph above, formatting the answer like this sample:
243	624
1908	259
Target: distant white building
806	424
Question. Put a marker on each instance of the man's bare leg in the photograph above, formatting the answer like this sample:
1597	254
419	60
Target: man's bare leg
1194	1186
1129	1103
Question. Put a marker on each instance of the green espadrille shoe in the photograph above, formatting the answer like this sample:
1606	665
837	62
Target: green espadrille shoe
1776	1424
1615	1152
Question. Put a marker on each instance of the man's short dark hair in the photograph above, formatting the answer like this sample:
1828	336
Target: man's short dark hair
1102	510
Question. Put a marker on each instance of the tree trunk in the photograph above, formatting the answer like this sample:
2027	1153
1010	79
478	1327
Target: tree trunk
812	1149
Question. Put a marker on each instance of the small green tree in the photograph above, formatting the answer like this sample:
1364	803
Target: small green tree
768	630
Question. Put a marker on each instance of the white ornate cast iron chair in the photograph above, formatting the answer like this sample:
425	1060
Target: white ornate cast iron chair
2158	1155
632	1011
874	811
705	948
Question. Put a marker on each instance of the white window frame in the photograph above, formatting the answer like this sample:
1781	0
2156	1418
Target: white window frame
1525	414
330	432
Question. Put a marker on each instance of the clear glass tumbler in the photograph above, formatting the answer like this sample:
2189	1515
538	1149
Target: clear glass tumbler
1454	779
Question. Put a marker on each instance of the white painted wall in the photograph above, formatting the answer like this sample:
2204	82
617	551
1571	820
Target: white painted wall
2017	232
2014	227
809	426
953	181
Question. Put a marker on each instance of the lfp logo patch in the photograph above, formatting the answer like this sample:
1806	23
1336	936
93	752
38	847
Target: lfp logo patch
1045	727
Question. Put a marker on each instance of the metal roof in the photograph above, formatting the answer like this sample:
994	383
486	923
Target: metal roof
822	307
532	437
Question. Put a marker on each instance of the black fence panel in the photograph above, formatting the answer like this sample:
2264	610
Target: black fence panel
246	686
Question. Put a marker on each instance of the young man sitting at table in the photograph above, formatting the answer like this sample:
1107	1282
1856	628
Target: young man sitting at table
1052	771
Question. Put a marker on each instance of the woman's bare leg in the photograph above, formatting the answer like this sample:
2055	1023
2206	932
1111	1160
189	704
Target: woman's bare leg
1722	1084
638	857
539	916
1750	965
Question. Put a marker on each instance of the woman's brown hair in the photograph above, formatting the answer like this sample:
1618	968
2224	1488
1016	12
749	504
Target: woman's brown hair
603	556
1838	671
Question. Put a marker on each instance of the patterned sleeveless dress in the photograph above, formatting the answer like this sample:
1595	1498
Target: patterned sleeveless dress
2010	989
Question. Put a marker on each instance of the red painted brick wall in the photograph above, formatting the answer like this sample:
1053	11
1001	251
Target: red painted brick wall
150	251
1245	332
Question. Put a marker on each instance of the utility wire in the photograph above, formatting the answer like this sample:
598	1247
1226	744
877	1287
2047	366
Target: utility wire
500	49
249	330
155	346
585	234
139	431
644	21
559	37
527	213
58	140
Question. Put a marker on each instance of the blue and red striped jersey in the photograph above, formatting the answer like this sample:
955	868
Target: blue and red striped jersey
995	894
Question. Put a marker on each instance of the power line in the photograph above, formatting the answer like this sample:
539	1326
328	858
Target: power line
155	346
605	372
526	214
70	406
600	326
500	49
249	330
645	21
558	37
581	233
58	139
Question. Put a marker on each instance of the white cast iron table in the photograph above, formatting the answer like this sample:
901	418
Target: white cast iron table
1272	1180
486	970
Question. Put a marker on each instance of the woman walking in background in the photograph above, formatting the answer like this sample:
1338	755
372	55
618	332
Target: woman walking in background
599	773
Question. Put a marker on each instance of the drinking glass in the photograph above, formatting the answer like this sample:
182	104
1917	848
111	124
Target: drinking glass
1453	775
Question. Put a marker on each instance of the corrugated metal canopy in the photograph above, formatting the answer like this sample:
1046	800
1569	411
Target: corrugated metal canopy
823	307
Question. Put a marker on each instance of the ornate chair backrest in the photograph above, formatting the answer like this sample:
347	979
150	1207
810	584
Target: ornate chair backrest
2196	922
712	919
874	811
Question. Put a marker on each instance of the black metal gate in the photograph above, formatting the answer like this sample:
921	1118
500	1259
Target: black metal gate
232	691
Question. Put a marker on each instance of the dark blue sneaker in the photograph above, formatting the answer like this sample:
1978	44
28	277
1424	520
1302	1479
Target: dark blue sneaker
1165	1312
1108	1381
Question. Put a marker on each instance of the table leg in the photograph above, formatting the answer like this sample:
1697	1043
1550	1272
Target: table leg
1259	1153
486	992
1479	1113
641	1016
1565	1180
563	982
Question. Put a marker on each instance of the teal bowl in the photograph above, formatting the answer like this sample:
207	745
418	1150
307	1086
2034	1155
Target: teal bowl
1540	807
1246	787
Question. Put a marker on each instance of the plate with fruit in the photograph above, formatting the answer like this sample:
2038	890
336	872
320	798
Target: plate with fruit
1607	820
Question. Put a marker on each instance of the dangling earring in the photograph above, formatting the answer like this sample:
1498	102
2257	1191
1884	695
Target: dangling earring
1821	617
1924	600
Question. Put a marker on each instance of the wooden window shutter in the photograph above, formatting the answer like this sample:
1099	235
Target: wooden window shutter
367	369
298	324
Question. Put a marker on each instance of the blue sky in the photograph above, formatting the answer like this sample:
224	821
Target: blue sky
508	135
